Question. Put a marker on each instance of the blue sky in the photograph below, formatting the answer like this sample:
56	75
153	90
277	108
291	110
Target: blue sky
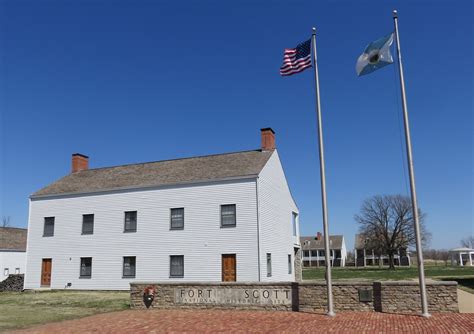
135	81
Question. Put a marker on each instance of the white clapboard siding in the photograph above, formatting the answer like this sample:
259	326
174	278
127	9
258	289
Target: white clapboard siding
275	217
11	260
202	242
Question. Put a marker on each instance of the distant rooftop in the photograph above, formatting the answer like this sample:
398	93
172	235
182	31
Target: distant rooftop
13	239
308	243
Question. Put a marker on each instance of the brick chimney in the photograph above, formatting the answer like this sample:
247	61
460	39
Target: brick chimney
79	162
319	236
268	139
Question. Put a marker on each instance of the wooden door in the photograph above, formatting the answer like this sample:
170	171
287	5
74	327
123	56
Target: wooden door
229	268
46	272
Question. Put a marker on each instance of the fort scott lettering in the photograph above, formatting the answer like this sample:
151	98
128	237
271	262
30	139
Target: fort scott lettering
233	296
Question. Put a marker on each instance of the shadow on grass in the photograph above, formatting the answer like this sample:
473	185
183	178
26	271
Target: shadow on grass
465	283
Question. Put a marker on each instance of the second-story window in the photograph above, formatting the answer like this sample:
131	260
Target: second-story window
86	267
130	221
48	230
87	224
228	215
177	219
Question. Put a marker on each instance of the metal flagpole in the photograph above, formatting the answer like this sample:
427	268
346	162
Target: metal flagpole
419	252
323	181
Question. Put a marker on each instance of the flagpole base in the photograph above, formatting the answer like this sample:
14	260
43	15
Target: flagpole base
426	315
331	314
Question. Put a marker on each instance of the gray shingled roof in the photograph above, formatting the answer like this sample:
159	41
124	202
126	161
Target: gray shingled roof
307	243
12	238
160	173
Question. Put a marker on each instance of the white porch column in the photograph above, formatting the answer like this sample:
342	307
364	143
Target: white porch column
470	259
460	259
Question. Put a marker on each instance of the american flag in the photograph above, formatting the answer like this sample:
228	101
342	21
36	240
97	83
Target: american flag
296	60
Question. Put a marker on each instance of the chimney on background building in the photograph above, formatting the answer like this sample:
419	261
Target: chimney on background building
79	162
319	236
268	139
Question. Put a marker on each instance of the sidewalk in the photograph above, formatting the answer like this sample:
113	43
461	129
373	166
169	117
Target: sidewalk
219	321
465	301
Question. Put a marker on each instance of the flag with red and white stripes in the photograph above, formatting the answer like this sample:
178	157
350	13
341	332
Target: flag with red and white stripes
296	60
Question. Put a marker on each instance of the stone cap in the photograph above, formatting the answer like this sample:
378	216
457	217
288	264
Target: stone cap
323	282
415	283
210	283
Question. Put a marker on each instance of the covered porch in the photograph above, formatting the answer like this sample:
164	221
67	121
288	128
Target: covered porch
462	256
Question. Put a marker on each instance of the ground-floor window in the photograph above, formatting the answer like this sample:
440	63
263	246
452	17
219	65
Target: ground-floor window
5	272
176	266
129	266
86	267
269	264
290	266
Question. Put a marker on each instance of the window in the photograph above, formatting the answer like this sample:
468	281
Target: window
294	223
48	230
17	271
130	221
86	267
314	253
290	266
5	272
176	266
177	219
321	253
87	224
306	253
269	265
228	218
129	266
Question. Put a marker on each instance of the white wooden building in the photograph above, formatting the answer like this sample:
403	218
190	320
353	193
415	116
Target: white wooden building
461	256
366	256
225	217
12	251
314	251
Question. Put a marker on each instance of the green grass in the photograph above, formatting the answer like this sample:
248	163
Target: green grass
376	273
23	309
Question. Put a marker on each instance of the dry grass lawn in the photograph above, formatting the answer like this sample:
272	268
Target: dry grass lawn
24	309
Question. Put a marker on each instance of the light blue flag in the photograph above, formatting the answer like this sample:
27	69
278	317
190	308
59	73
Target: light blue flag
376	55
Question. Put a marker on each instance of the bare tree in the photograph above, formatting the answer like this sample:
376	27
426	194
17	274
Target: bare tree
5	221
468	242
386	223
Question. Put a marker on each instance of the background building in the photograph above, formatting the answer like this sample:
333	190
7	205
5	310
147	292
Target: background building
225	217
314	254
12	251
461	256
370	257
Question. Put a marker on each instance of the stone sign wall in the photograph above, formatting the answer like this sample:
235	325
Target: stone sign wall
271	296
308	296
